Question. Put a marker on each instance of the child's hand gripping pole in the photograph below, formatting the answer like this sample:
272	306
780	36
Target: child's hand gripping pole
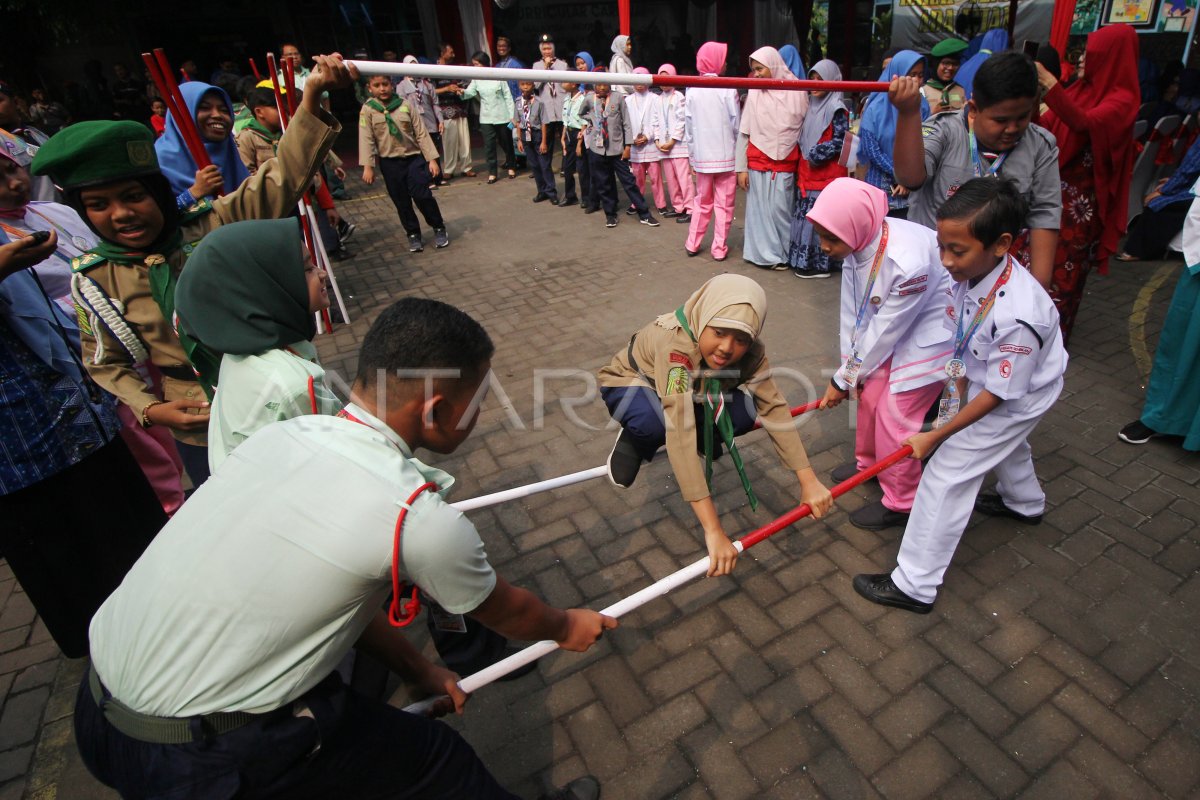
659	588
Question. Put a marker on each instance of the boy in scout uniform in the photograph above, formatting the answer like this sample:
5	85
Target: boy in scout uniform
124	288
392	137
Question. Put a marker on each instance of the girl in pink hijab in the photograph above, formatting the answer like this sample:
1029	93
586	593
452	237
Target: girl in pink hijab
767	157
645	118
671	143
711	119
894	334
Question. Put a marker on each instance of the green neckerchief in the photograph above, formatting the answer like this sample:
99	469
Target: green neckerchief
204	362
711	388
935	83
392	105
271	136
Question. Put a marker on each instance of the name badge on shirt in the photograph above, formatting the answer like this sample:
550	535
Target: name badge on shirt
947	408
850	370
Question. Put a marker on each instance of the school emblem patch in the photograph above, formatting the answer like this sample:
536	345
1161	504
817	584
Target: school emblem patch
677	381
1005	368
141	154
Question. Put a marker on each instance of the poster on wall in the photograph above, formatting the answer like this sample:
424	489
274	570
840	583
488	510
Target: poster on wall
1175	16
1138	13
920	24
1086	17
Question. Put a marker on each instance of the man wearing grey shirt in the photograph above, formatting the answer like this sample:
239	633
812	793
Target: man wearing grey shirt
551	94
991	137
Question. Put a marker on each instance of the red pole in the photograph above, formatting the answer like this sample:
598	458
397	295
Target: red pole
801	511
623	14
185	120
487	26
254	69
284	117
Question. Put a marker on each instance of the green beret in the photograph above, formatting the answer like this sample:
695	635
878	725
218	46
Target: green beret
948	47
98	151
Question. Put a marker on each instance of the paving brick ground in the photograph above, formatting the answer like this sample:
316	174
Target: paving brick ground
1061	660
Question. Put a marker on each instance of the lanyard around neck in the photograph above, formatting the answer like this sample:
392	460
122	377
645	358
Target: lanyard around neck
980	169
880	252
961	338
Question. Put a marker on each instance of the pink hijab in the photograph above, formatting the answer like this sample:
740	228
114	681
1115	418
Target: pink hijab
773	117
851	210
711	57
668	69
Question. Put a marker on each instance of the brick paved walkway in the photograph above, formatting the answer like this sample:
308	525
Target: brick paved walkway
1061	660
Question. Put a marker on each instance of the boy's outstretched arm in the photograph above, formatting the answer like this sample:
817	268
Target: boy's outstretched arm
908	152
984	403
722	554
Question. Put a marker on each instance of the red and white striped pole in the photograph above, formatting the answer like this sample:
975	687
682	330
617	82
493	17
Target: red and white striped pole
478	680
452	72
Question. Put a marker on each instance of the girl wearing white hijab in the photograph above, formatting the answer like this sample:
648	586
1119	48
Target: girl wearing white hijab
767	160
622	47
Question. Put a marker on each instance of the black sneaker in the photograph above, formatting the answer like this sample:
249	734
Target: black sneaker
623	462
440	239
664	213
650	220
415	245
993	506
810	273
880	589
610	221
683	219
585	788
591	209
845	472
1137	432
341	254
631	211
345	230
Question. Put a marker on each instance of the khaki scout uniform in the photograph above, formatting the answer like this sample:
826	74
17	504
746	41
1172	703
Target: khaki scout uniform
113	347
668	361
375	141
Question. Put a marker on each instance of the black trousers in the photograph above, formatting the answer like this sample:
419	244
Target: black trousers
553	136
539	162
407	181
71	538
1152	231
572	165
606	171
350	746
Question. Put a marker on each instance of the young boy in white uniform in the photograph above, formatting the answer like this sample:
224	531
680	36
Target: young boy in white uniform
1006	372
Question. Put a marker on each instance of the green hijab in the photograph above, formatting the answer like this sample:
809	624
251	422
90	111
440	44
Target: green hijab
243	290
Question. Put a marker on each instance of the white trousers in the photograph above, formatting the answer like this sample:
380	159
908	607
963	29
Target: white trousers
950	483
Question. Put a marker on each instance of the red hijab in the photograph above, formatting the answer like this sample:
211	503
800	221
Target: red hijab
1108	95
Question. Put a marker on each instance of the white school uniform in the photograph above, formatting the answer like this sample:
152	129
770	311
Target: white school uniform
1016	354
74	239
904	316
712	117
673	123
645	113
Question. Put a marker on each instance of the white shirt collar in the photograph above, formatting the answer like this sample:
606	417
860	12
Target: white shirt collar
371	421
867	255
981	289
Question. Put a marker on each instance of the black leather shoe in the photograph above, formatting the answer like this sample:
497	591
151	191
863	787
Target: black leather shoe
566	201
683	219
591	209
880	589
845	472
540	198
877	517
624	463
993	506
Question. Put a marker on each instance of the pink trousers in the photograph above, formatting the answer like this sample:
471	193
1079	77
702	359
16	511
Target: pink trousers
643	168
154	450
885	420
677	172
715	193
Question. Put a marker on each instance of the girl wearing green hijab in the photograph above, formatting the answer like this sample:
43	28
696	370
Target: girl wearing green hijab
250	291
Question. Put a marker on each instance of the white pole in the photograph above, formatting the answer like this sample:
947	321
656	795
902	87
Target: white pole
533	488
459	73
474	682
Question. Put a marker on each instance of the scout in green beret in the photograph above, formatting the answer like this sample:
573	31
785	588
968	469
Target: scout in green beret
941	91
124	289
